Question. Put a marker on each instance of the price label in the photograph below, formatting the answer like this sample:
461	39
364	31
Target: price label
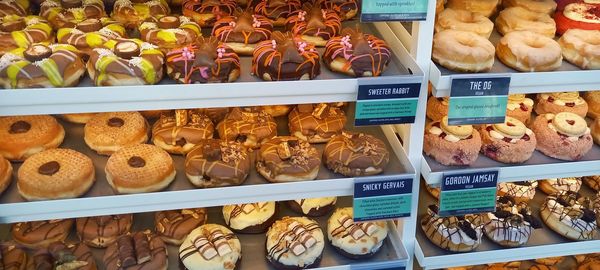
478	100
380	197
393	10
468	193
387	103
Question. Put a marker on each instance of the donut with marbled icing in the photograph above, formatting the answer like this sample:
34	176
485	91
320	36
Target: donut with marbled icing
66	13
91	33
21	31
168	32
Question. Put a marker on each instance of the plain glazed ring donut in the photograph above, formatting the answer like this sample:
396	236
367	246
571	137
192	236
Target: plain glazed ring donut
132	13
529	52
206	12
243	31
463	51
23	136
451	145
91	33
464	20
521	19
484	7
168	32
539	6
67	13
14	7
314	24
581	48
20	32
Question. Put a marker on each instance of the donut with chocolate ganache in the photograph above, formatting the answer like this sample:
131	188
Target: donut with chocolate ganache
355	240
285	57
139	168
512	224
179	133
6	171
14	7
59	255
356	154
453	233
137	251
23	136
242	31
249	127
91	33
66	13
277	10
12	257
77	118
106	133
206	12
55	174
216	163
21	31
131	13
288	159
208	60
508	142
555	185
562	136
39	234
313	24
346	9
561	102
316	123
174	225
102	231
295	243
314	207
570	215
211	247
169	31
521	191
250	217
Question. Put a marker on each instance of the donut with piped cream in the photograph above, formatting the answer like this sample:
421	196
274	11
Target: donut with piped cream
519	107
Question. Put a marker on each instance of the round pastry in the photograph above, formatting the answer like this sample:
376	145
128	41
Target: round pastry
454	233
179	133
451	145
539	6
139	168
63	13
316	123
570	215
346	9
241	32
14	7
582	258
211	247
155	114
562	136
215	163
561	102
509	142
314	25
250	128
23	136
77	118
59	65
106	133
6	171
295	243
550	261
277	10
38	234
288	159
285	57
55	174
555	185
169	32
519	107
577	16
511	224
60	255
463	51
595	129
276	110
206	61
206	12
250	217
439	6
437	108
522	191
435	191
125	62
91	33
592	181
464	20
137	251
542	267
18	31
522	19
315	207
131	13
102	231
581	48
529	52
592	98
174	225
215	114
484	7
357	54
591	264
355	240
12	257
596	208
356	154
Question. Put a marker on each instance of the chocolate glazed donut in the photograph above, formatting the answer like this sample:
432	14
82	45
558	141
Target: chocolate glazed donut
132	13
206	12
14	7
64	256
174	225
243	31
314	24
137	251
277	10
102	231
20	32
12	257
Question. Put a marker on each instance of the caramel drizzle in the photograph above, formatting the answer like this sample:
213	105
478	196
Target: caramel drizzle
379	57
238	209
198	125
46	225
585	230
6	253
226	26
336	149
308	123
91	9
121	224
267	53
196	163
180	218
283	246
261	125
303	157
211	241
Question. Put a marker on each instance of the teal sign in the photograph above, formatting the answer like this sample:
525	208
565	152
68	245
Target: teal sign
386	104
393	10
378	198
478	100
468	193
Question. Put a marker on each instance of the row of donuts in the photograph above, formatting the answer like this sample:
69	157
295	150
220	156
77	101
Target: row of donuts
581	262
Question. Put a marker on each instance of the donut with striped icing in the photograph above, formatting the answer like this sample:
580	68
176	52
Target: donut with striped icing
20	32
132	13
14	7
206	12
314	24
168	32
66	13
91	33
243	31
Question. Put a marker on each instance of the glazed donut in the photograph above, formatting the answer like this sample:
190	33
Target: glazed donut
455	233
169	32
437	108
529	52
131	13
581	48
6	171
23	136
561	102
39	234
241	32
568	214
508	142
555	185
464	20
211	246
451	145
77	118
463	51
511	224
250	217
59	65
316	123
215	163
519	107
180	133
315	25
592	181
484	7
542	267
579	15
355	240
91	33
346	9
562	136
522	191
314	207
357	54
206	61
106	133
137	251
22	31
288	159
539	6
174	225
66	13
14	7
356	154
277	10
295	243
206	12
59	255
592	98
126	62
102	231
250	128
12	257
521	19
514	265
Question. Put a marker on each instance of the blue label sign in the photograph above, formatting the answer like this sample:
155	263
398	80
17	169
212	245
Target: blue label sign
478	100
377	199
385	104
393	10
468	193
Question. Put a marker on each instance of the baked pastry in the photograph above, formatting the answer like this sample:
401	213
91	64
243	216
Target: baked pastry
106	133
435	191
206	12
215	114
91	33
12	257
55	174
356	154
539	6
581	258
314	25
592	98
276	110
102	231
515	265
139	168
357	54
508	142
522	191
288	159
437	108
561	102
23	136
555	185
355	240
519	107
174	225
295	243
314	207
179	133
511	224
590	264
464	20
207	60
346	9
18	31
484	7
529	51
580	47
155	114
439	7
169	32
248	127
277	10
285	57
242	31
6	171
215	163
39	234
578	15
59	255
131	13
38	66
67	13
521	19
209	247
562	136
542	267
77	118
14	7
451	145
463	51
316	123
250	217
570	215
550	261
454	233
137	251
592	181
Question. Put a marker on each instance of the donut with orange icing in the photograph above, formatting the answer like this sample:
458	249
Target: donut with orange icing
14	7
582	15
277	10
207	12
66	13
346	9
131	13
243	31
168	32
91	33
314	24
20	32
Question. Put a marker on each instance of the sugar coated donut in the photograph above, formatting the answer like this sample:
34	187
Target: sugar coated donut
23	136
6	171
437	108
463	51
528	51
561	102
77	118
106	133
22	31
563	136
581	47
539	6
484	7
451	145
464	20
520	107
508	142
593	100
522	19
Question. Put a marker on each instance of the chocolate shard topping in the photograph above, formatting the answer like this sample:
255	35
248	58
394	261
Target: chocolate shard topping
503	214
37	52
126	251
136	162
465	226
211	153
19	127
11	26
115	122
168	22
67	4
127	49
142	248
49	168
89	25
321	111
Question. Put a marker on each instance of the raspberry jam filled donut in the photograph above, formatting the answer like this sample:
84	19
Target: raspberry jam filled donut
585	16
66	13
570	215
519	107
511	224
581	47
356	154
316	123
180	133
484	7
555	185
131	13
539	6
522	191
464	20
216	163
249	127
561	102
207	12
454	233
21	32
288	159
91	33
529	52
521	19
243	31
314	24
463	51
277	10
14	7
562	136
509	142
451	145
23	136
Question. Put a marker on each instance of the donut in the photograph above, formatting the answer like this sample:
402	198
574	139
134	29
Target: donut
39	234
512	224
346	9
106	133
435	191
568	214
215	163
125	62
14	7
555	185
179	133
23	136
437	108
592	181
277	10
508	142
6	171
539	6
519	107
21	31
314	25
137	251
250	217
561	102
515	265
174	225
584	16
288	159
521	19
356	154
451	145
59	255
596	208
550	261
295	243
131	13
355	240
521	191
55	174
66	13
243	31
595	130
276	110
316	123
484	7
139	168
206	61
154	114
591	264
542	267
464	20
102	231
38	65
207	12
77	118
211	246
250	128
454	233
12	257
463	51
562	136
581	48
314	207
357	54
592	98
91	33
215	114
169	32
529	52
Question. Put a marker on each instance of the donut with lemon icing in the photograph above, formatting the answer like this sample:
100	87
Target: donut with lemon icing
463	51
451	145
66	13
20	32
581	48
91	33
508	142
562	136
168	32
561	102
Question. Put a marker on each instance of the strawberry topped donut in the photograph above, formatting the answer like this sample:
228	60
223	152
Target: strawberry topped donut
66	13
578	15
563	136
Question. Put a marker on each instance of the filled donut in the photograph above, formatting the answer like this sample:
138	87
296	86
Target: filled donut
287	159
529	51
91	33
169	32
207	12
561	102
316	123
180	133
23	136
215	163
570	215
356	154
174	225
136	251
211	246
131	13
102	231
464	20
314	24
454	233
59	255
451	145
562	136
581	47
277	10
251	128
243	31
106	133
66	13
512	224
463	51
22	31
508	142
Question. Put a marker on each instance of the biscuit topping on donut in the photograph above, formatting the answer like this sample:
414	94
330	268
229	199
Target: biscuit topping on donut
451	133
569	124
19	127
49	168
89	25
169	22
569	99
127	49
510	131
116	122
136	162
37	52
519	101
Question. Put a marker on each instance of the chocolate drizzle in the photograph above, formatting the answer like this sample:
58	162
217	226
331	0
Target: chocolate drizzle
453	231
210	243
296	239
569	208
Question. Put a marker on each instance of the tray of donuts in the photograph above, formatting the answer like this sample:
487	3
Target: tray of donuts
299	234
575	262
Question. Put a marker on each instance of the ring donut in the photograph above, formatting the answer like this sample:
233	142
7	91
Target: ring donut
66	13
20	32
23	136
180	133
243	31
14	7
102	231
521	19
315	25
581	48
346	9
248	127
40	234
131	13
12	256
277	10
59	255
91	33
539	6
106	133
168	32
463	51
529	52
464	20
207	12
484	7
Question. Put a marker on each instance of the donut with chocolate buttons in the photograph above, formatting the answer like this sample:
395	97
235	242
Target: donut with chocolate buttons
12	257
131	13
40	234
106	133
243	31
179	133
355	240
102	231
356	154
206	12
316	123
314	24
91	33
169	32
65	13
59	255
288	159
277	10
216	163
247	126
14	7
23	136
211	246
250	217
174	225
137	251
21	31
